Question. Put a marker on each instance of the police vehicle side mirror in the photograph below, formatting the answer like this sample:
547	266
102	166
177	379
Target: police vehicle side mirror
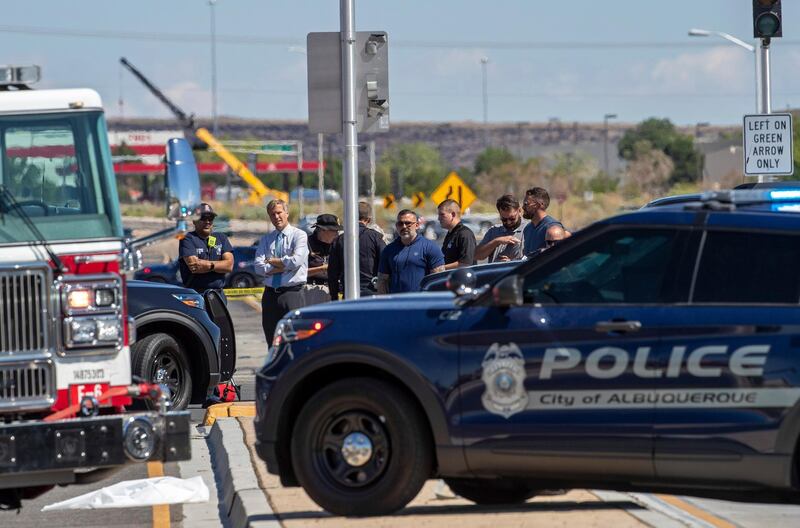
508	292
461	282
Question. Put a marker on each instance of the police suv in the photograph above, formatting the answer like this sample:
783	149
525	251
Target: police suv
654	351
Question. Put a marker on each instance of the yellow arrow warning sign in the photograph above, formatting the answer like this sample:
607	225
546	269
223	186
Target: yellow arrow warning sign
454	188
418	199
388	201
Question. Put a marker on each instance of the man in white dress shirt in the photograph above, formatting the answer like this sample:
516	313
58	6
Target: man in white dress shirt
282	259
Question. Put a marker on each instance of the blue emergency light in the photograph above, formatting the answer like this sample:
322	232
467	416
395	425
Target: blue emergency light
785	194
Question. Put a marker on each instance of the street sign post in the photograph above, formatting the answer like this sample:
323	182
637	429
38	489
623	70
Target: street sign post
768	145
454	188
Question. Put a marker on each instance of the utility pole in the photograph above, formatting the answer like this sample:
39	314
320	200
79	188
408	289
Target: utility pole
320	173
484	62
300	192
211	4
350	184
605	140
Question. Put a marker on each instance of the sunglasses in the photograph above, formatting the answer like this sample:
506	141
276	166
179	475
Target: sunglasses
551	243
207	219
508	220
405	224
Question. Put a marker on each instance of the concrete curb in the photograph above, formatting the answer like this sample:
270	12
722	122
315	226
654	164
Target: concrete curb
242	501
228	410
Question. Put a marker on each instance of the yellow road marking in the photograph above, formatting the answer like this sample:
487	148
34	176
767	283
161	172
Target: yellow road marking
160	511
693	510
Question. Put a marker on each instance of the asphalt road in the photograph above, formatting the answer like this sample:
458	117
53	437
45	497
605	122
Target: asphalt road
31	516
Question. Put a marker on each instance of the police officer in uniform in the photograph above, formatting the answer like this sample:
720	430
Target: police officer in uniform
205	258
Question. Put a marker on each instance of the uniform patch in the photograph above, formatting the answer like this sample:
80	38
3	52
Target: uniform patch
504	376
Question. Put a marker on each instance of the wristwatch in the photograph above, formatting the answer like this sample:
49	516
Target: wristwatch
212	266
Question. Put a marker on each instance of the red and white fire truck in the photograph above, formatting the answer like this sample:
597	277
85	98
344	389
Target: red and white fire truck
65	335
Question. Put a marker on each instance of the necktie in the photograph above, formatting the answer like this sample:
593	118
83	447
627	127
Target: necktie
276	277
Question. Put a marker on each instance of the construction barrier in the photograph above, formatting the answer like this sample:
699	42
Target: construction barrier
233	293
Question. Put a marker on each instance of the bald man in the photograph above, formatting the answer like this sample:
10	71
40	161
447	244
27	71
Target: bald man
554	234
459	244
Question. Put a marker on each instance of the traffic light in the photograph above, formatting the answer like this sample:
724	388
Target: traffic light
767	19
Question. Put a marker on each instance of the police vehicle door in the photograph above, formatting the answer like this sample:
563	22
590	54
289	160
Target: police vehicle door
564	378
731	357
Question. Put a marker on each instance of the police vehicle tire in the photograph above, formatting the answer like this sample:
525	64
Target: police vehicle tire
162	352
492	491
242	280
399	463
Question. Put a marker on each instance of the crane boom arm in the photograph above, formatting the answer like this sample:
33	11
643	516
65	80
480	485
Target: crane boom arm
187	121
239	168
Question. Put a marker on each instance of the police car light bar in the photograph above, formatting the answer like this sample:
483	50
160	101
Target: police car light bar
785	194
17	75
752	196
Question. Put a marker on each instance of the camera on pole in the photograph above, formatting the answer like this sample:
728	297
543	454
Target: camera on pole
767	19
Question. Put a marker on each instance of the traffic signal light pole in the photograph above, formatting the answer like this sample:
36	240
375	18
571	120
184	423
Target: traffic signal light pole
349	127
766	97
765	104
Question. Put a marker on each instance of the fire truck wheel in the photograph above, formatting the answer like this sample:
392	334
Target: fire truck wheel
159	358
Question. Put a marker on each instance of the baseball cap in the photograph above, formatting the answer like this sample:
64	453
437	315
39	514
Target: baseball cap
327	222
204	210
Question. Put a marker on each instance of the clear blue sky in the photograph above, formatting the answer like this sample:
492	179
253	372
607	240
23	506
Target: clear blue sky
435	51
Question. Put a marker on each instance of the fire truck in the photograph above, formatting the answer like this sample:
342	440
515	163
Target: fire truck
65	334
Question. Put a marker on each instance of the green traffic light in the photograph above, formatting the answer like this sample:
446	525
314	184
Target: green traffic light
768	24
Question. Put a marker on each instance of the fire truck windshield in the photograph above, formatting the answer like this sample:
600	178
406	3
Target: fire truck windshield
57	168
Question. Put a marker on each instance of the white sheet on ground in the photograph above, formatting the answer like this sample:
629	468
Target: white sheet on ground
136	493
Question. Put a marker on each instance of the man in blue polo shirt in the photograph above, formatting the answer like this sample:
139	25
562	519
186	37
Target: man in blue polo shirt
408	258
205	258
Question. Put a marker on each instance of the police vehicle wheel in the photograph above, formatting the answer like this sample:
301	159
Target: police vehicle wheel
359	448
158	358
242	280
492	491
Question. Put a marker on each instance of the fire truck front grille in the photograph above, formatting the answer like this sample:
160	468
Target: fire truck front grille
23	311
28	385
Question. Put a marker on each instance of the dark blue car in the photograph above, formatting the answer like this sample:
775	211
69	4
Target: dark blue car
654	351
242	276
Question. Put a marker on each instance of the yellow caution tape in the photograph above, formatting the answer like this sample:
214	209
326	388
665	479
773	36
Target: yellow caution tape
243	292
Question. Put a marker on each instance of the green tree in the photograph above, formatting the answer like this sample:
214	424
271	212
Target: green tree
418	165
491	158
662	135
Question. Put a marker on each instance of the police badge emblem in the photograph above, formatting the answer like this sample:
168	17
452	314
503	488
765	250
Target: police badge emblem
504	376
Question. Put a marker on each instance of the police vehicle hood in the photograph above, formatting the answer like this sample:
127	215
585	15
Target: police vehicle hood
400	301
